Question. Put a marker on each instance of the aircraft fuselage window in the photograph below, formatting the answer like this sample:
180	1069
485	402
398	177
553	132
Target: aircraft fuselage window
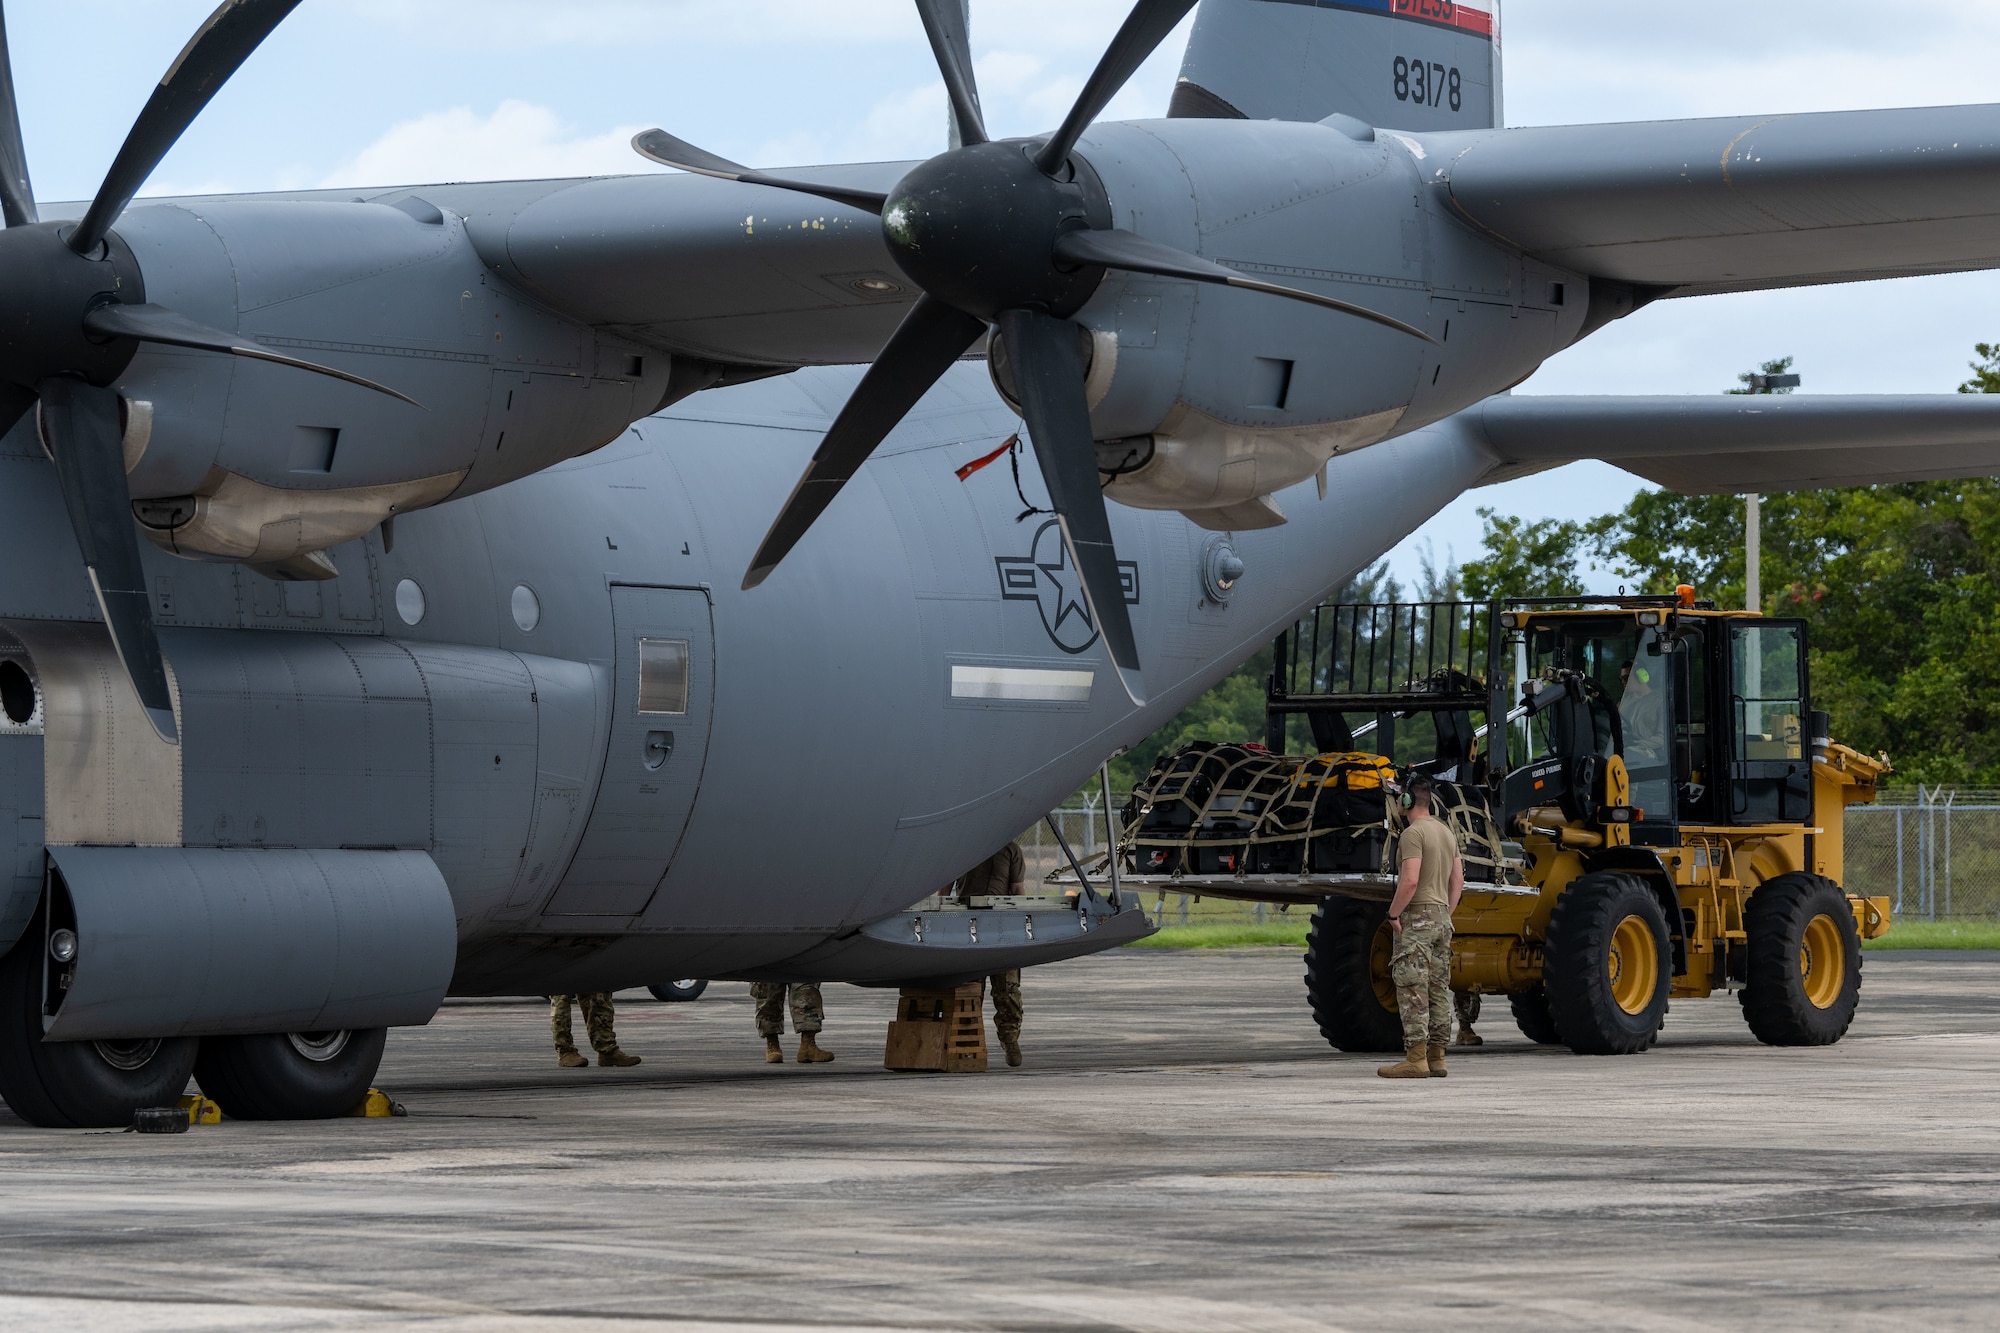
663	675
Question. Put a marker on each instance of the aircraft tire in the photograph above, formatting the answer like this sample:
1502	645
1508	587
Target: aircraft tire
1531	1015
290	1075
77	1084
1353	1000
678	992
1608	967
1805	962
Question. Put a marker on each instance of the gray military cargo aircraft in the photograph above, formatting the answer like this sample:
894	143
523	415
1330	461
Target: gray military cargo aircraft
390	609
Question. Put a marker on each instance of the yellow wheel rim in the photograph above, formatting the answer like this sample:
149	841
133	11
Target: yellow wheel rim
1633	965
1378	966
1822	962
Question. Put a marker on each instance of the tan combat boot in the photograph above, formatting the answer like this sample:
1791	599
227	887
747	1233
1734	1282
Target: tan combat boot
569	1059
1436	1057
810	1052
1012	1045
1467	1037
616	1059
774	1052
1415	1064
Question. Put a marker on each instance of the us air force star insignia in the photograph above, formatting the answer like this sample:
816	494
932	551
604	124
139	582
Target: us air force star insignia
1045	577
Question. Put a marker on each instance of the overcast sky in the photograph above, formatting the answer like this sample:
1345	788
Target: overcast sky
353	92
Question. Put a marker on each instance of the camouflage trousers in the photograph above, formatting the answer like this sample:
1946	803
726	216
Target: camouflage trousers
1467	1004
1006	988
808	1014
596	1006
1421	969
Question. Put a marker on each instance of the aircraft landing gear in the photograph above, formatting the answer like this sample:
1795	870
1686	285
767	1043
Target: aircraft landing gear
290	1075
77	1084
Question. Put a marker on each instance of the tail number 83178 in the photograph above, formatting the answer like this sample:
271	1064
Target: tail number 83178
1428	83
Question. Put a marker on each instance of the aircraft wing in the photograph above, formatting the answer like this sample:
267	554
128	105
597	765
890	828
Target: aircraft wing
1725	445
1738	204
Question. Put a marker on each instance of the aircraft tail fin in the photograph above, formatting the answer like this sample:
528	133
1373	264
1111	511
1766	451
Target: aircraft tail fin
1399	64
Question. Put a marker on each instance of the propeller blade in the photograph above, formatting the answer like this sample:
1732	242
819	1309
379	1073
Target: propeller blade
1049	376
157	324
663	148
1135	254
88	446
931	337
17	196
951	43
1145	28
214	53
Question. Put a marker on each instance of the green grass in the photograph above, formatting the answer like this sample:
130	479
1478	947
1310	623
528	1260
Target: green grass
1292	935
1286	934
1938	935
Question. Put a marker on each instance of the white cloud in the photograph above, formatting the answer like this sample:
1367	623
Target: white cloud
519	140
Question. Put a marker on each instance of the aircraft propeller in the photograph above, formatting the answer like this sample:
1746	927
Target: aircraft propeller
1012	235
75	316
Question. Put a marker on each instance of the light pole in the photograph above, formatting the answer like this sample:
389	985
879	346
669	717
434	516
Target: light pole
1753	510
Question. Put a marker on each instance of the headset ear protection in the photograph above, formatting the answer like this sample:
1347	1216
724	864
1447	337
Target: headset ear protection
1409	797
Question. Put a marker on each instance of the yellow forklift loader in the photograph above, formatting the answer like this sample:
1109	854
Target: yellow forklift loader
1652	811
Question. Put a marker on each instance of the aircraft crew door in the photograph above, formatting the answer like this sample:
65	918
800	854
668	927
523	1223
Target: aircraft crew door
665	692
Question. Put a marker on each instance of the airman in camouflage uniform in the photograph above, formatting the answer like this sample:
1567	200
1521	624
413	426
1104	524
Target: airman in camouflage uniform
596	1006
1466	1002
808	1017
1004	872
1430	878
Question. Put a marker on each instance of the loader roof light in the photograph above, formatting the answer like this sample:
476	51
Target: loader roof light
1684	594
1649	617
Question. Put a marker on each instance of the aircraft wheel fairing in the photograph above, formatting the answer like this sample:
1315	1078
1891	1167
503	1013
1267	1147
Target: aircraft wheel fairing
76	1084
290	1075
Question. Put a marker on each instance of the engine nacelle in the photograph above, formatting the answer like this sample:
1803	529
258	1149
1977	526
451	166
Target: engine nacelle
1208	399
243	460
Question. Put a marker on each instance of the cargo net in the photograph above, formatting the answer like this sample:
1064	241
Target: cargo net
1209	811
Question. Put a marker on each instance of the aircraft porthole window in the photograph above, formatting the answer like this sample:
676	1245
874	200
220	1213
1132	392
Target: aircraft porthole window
409	601
527	608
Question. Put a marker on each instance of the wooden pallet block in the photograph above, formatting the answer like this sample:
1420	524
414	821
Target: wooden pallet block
939	1031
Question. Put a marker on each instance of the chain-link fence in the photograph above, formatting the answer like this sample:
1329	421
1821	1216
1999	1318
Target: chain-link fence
1933	852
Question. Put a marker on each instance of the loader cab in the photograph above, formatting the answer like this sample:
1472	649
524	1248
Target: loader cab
1713	712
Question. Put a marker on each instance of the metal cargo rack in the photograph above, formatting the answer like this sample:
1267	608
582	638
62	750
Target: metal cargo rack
1389	663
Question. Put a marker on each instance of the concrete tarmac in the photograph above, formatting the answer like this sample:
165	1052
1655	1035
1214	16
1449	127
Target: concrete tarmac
1181	1152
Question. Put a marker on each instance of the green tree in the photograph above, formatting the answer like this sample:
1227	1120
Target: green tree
1526	559
1985	371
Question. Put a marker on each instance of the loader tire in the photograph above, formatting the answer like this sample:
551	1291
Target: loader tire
1347	976
1531	1015
1805	962
1608	966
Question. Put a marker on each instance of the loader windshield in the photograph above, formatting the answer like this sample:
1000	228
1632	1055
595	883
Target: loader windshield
1626	661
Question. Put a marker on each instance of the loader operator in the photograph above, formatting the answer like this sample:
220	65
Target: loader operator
1642	717
1428	884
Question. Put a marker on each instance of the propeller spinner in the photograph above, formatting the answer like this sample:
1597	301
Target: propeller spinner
76	314
1015	236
